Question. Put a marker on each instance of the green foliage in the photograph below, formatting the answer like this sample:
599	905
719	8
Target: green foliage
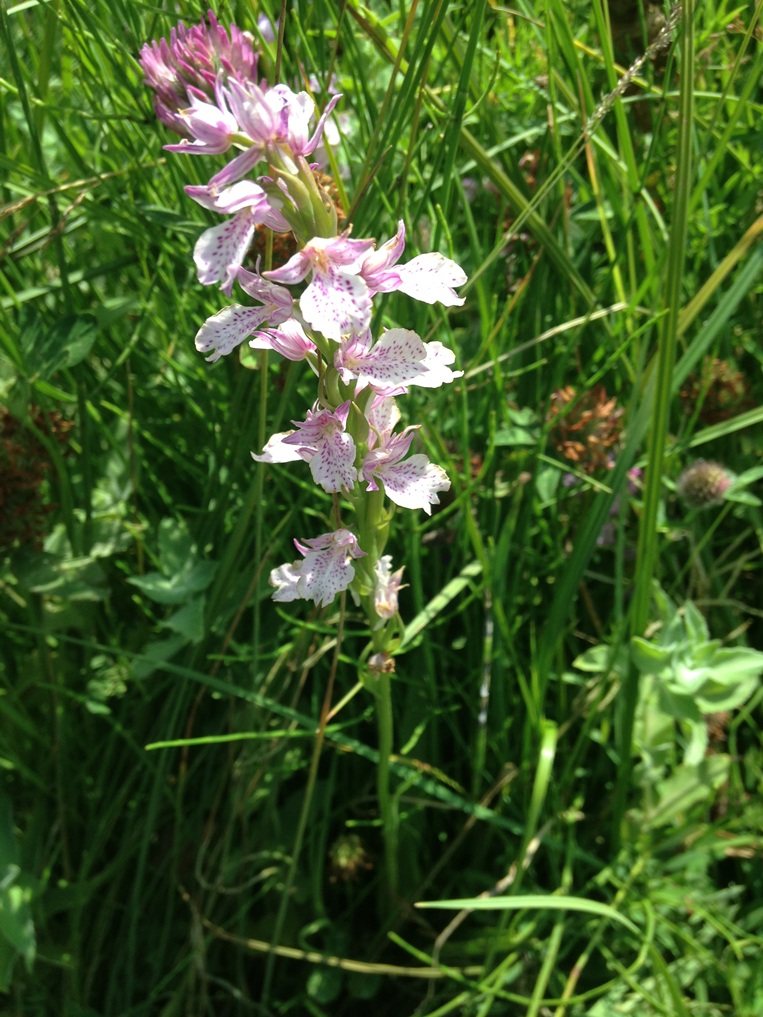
173	816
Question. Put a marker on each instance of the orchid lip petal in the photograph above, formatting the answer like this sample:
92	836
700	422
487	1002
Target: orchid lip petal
220	250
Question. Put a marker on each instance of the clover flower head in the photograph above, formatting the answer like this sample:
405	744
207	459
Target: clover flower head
190	64
704	484
325	571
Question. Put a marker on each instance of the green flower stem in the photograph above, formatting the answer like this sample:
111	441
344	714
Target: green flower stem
387	805
316	216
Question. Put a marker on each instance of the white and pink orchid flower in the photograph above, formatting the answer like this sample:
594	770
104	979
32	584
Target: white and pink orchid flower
325	571
410	483
322	441
336	301
227	329
400	358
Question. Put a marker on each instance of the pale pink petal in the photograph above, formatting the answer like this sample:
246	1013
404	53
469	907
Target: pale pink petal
390	449
278	297
312	144
277	451
243	194
286	581
211	126
342	250
429	277
289	340
386	587
377	265
437	371
294	271
237	167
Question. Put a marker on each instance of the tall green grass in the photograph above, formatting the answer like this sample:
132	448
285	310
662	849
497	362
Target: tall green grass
182	778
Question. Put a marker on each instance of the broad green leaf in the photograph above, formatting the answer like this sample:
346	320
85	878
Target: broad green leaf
65	345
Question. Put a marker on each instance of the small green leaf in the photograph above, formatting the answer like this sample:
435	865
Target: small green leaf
649	658
188	621
600	660
324	985
177	589
516	437
175	546
696	626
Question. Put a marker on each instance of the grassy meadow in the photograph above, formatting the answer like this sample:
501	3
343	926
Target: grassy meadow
561	813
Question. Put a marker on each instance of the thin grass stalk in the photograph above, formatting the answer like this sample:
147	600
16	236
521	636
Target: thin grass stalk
450	144
648	539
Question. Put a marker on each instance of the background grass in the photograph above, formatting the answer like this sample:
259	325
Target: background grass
159	712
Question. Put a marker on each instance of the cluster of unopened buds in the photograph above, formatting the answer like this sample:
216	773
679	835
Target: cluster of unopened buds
316	307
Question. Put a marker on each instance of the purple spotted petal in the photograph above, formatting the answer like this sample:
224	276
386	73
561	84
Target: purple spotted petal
220	251
396	359
228	328
336	304
325	571
382	414
322	441
414	483
333	463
